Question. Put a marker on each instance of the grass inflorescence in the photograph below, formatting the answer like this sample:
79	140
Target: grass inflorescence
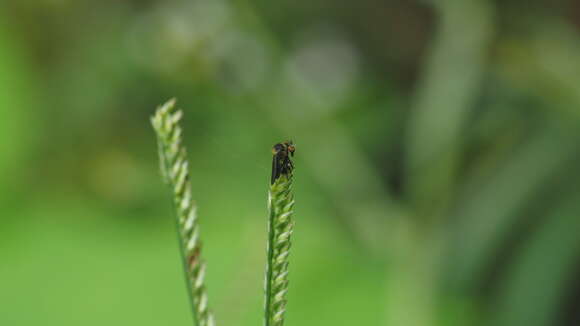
280	228
174	168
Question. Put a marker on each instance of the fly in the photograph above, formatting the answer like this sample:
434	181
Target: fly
281	162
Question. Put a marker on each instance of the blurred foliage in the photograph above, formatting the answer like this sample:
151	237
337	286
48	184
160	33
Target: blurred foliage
436	150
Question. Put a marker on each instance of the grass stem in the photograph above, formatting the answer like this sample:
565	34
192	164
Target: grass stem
280	227
174	169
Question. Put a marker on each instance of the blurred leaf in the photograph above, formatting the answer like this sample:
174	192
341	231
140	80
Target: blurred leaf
535	283
447	91
491	206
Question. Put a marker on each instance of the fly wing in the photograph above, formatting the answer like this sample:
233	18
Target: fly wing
275	168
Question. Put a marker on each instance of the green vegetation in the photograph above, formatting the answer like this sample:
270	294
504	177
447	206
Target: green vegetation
280	227
174	168
438	159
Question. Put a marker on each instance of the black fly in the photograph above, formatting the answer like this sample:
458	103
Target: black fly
281	163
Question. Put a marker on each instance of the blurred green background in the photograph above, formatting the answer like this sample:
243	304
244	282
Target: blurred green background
437	157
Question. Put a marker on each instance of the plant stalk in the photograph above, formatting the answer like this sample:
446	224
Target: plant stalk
174	169
280	227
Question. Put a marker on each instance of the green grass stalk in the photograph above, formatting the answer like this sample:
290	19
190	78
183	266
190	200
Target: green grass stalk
174	169
280	226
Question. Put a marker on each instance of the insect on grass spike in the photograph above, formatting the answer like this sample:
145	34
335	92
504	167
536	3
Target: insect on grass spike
281	162
280	226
